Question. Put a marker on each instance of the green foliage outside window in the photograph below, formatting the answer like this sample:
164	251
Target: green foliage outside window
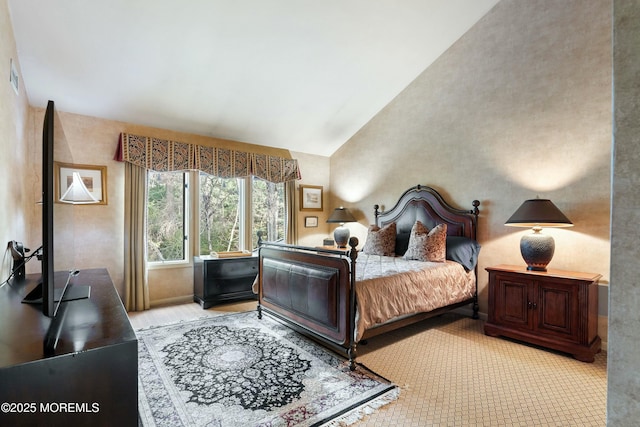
269	211
165	216
220	214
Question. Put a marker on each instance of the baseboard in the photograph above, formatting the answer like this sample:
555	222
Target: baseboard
172	301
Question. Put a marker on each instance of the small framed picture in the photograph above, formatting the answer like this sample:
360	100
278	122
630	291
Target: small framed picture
310	197
90	188
310	221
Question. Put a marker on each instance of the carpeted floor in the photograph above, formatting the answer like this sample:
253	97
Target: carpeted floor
451	374
236	370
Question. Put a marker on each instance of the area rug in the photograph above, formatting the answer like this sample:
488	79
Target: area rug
237	370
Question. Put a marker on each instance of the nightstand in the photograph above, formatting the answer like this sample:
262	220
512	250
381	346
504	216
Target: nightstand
555	309
221	280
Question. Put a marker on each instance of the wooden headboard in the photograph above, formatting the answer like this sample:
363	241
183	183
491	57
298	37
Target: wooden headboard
425	204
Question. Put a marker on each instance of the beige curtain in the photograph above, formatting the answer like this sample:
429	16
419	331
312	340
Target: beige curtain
292	217
135	268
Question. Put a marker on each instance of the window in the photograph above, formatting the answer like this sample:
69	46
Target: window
232	213
268	211
166	216
220	214
228	214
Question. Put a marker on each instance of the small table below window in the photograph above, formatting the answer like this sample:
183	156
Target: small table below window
221	280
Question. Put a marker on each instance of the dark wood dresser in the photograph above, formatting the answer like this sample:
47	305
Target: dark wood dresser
90	378
220	280
555	309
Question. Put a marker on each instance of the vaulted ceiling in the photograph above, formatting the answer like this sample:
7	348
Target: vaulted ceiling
296	74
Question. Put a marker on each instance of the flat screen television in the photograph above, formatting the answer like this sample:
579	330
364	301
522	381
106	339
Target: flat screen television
56	286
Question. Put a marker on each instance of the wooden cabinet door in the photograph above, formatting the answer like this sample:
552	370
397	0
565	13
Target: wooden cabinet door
557	311
512	297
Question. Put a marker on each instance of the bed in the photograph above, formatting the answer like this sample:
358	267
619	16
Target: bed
337	297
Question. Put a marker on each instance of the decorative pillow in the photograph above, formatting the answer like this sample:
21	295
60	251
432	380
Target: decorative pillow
425	245
463	250
381	241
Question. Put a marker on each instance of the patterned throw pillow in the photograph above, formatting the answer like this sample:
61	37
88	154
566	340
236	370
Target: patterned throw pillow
381	241
425	245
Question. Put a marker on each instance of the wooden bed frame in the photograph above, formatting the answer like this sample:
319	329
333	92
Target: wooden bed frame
310	289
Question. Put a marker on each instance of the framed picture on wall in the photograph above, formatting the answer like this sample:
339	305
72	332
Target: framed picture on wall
310	221
93	187
310	197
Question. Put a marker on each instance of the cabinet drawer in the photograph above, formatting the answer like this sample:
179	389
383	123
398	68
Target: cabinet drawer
231	268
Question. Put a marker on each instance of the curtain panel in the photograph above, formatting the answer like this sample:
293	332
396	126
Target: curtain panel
136	297
164	155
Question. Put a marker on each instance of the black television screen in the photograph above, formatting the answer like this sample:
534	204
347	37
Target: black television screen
55	286
48	283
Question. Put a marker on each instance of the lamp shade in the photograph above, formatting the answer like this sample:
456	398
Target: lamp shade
536	248
341	215
538	212
341	234
77	193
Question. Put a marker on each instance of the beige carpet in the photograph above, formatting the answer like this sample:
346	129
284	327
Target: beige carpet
451	374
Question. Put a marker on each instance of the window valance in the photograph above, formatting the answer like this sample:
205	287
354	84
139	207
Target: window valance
163	155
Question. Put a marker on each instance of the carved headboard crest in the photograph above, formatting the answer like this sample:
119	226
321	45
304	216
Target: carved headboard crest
428	206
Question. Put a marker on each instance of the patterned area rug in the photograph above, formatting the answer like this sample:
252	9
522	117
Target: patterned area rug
236	370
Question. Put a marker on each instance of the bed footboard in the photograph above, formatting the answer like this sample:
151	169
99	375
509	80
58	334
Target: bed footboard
310	292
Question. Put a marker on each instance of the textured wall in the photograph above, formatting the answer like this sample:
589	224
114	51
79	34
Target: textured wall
14	128
315	171
520	106
96	237
623	404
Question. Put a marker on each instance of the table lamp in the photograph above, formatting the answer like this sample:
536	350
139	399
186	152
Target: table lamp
536	248
77	193
341	234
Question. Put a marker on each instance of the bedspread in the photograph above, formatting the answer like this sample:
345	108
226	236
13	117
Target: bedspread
391	287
